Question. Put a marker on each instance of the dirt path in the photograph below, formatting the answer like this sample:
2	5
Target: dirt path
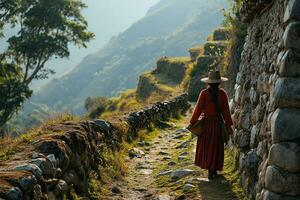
166	171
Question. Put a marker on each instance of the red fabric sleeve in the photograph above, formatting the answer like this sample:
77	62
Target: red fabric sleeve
226	111
198	108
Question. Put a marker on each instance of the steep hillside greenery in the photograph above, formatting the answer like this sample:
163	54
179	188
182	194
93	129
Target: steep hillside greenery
169	29
121	14
211	58
169	79
45	30
166	79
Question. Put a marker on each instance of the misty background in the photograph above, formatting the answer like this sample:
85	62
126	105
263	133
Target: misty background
106	18
130	36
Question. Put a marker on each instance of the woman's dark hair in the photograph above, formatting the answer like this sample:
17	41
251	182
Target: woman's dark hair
214	87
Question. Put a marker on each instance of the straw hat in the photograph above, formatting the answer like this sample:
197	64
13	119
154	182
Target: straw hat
214	77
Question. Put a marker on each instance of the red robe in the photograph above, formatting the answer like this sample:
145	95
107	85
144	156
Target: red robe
210	147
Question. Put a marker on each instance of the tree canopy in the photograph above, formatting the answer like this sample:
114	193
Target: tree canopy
45	29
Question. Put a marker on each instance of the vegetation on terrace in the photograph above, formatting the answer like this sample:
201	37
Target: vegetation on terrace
169	79
107	108
9	145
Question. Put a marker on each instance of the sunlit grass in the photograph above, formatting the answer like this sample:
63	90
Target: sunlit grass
231	174
178	59
198	48
9	145
188	74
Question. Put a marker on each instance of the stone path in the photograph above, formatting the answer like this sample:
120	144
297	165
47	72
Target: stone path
162	169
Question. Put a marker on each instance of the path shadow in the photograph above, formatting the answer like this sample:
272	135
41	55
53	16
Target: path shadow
218	189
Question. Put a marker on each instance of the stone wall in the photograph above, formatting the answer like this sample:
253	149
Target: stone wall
267	101
48	166
173	68
162	81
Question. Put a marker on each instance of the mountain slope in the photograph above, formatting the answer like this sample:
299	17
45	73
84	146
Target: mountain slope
121	15
168	29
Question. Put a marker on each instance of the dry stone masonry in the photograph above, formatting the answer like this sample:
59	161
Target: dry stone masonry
168	74
267	101
51	164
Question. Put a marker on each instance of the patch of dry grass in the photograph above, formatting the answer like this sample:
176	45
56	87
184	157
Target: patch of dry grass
178	59
198	48
115	169
126	102
231	174
188	74
9	145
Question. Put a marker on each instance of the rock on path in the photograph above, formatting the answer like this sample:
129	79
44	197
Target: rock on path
166	171
135	152
178	174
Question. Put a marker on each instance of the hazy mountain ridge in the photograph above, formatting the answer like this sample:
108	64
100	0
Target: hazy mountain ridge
121	14
169	28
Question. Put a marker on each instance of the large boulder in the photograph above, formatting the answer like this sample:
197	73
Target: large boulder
289	64
287	93
267	195
292	11
291	37
285	125
280	181
286	156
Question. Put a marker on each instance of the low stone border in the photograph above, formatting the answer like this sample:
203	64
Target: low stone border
55	163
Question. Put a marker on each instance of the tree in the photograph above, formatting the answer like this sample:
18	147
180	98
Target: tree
13	90
45	29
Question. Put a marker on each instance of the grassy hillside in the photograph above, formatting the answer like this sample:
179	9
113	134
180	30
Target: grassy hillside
169	29
210	57
166	79
121	14
170	78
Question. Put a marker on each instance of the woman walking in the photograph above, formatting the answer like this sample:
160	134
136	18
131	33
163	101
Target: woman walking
212	104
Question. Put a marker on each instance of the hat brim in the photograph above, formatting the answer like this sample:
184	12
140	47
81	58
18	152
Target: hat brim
206	80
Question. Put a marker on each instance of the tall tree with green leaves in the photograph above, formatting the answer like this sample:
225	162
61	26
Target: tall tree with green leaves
45	30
